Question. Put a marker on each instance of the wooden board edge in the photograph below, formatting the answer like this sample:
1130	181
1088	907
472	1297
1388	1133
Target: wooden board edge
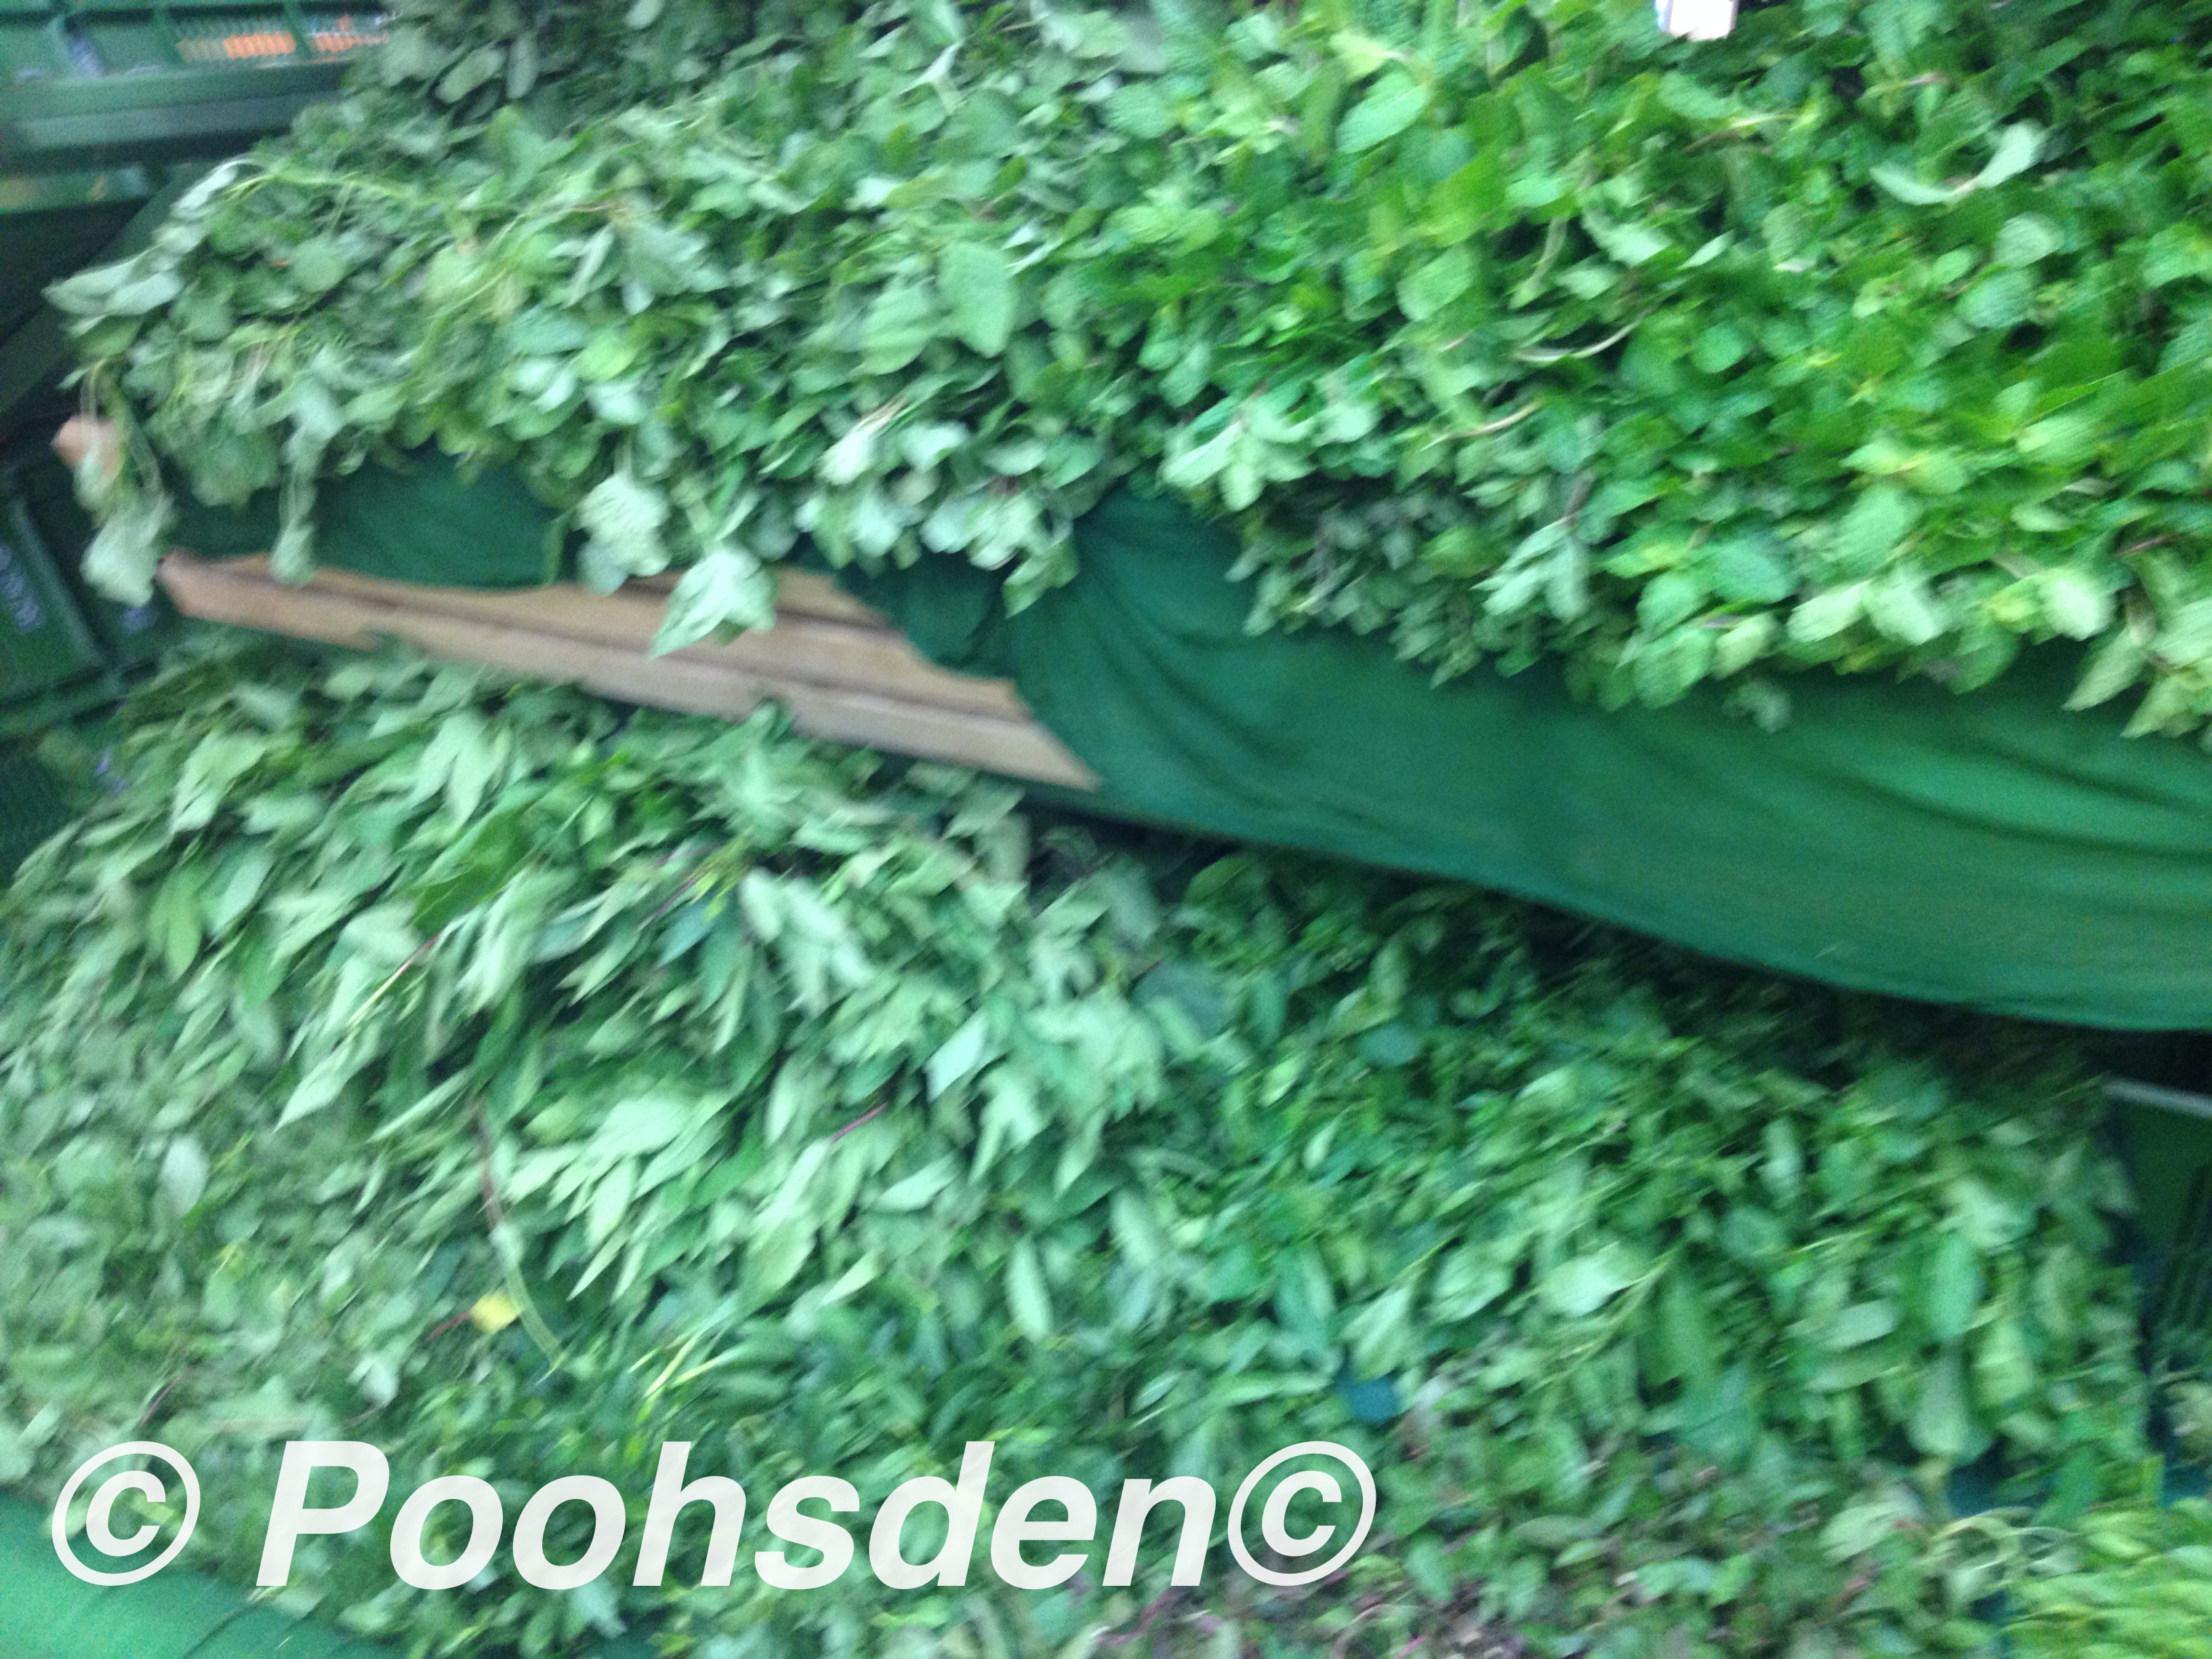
1018	746
869	656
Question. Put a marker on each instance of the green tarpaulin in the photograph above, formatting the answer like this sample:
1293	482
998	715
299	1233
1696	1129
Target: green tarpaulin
178	1613
1991	849
45	1614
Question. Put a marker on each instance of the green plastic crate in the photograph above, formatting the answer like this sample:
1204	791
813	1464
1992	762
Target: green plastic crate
106	107
45	641
32	806
2166	1137
38	500
47	42
63	649
81	38
79	219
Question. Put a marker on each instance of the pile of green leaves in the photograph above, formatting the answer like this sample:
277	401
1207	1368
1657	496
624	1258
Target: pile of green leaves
2134	1580
828	1120
1875	334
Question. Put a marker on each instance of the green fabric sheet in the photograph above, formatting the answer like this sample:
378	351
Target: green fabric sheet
430	521
178	1613
45	1614
1992	850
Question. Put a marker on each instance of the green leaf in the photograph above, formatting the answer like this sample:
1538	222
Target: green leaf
2116	666
2005	1374
2060	441
1692	100
1434	285
1952	1292
1719	349
1685	1335
17	1459
1027	1298
130	288
623	516
183	1177
381	935
1900	183
1900	606
1745	643
727	589
2003	299
127	548
963	1054
215	765
981	297
856	454
1393	103
321	1086
1859	1324
1672	597
2177	253
919	1190
1826	614
1943	1422
1874	528
2019	147
1752	570
1305	1301
1630	245
240	890
1579	1287
1469	1281
641	1124
902	321
610	1204
1859	1530
2026	239
319	265
2075	603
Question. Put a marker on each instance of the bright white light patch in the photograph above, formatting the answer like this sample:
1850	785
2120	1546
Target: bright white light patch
1697	20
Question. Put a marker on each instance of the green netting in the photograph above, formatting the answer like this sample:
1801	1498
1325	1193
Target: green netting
1993	849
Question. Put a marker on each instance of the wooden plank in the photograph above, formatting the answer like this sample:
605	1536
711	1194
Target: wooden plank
704	680
870	656
866	655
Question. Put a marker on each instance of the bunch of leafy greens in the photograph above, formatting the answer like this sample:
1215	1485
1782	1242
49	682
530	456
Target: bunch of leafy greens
827	1120
2134	1580
1879	333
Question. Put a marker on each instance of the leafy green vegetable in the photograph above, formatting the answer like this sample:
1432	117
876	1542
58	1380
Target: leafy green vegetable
2134	1581
1500	332
404	1057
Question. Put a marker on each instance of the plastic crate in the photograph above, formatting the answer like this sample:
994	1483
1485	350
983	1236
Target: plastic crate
86	39
92	84
105	106
45	641
32	806
38	501
2166	1138
63	649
